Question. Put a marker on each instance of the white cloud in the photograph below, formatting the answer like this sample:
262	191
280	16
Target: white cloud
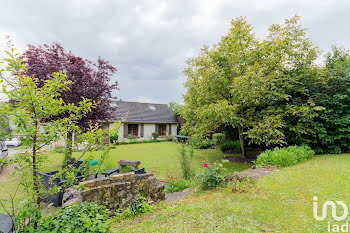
149	41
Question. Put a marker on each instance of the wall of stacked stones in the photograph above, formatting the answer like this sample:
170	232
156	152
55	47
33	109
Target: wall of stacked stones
117	191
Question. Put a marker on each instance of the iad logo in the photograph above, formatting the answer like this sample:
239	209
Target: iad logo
333	207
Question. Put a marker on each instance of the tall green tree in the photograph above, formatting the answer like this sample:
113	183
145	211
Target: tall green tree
253	85
331	128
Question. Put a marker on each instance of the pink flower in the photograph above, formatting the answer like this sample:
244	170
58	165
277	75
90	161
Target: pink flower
205	165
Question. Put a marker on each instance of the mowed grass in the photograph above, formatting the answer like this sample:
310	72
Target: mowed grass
159	158
281	202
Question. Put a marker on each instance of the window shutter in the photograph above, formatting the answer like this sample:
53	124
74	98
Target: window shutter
141	131
125	130
169	129
156	128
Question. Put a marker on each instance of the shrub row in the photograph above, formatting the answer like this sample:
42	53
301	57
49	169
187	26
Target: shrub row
143	141
284	157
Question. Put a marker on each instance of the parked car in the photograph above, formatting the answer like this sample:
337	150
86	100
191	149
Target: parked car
13	142
3	154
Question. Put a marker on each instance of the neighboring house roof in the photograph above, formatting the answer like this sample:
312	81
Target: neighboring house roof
143	112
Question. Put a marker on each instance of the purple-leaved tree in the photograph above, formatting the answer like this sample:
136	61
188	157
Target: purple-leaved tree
91	80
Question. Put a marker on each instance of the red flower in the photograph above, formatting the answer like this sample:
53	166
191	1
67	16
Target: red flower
205	165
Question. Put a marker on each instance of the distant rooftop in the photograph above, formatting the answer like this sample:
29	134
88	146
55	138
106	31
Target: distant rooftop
143	112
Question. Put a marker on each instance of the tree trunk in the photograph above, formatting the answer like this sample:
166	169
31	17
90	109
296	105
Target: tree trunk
241	140
69	146
35	178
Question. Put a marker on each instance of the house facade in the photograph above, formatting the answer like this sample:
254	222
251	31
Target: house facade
142	119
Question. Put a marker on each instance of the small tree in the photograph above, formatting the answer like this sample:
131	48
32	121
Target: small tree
88	80
33	106
186	154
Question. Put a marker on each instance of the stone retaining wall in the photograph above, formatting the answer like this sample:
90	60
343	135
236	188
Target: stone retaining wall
116	191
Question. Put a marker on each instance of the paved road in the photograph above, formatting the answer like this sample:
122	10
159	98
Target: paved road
14	150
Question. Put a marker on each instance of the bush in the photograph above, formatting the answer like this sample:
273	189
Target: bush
206	143
155	135
59	149
169	138
218	138
113	139
138	207
233	147
196	141
79	217
177	185
284	157
210	176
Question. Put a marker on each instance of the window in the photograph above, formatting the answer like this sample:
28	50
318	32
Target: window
133	129
162	130
151	107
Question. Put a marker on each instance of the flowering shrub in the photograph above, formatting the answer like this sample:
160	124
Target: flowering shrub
210	175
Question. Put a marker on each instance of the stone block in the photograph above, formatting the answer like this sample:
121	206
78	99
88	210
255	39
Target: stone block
88	183
118	191
133	163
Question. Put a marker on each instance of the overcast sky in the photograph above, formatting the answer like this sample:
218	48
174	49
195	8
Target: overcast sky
150	41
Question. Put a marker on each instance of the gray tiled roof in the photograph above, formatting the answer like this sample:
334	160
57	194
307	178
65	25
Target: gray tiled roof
143	112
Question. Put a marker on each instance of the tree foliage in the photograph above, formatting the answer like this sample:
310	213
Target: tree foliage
38	115
253	85
88	80
175	108
331	128
34	104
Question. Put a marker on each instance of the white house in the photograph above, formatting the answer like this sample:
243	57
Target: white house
143	119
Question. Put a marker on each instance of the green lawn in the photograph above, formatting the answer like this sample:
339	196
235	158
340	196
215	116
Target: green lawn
281	202
159	158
